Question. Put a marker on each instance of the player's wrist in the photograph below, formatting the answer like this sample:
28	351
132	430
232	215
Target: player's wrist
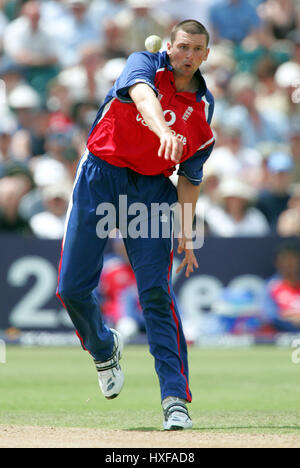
165	132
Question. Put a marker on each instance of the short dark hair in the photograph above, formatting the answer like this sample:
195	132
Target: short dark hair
190	27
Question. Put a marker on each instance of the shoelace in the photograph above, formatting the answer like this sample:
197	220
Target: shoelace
103	366
177	407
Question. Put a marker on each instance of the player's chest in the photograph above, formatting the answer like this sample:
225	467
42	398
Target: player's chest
181	110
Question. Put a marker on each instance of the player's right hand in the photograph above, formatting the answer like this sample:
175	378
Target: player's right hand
170	147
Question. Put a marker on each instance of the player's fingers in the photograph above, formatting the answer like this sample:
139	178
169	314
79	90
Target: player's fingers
190	266
168	149
182	265
180	247
174	150
177	151
161	149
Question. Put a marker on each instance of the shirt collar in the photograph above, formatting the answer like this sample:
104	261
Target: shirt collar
202	85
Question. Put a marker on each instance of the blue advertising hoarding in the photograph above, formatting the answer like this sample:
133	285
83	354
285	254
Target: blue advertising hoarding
28	278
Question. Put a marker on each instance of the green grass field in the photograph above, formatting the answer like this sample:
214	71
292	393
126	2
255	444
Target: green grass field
234	390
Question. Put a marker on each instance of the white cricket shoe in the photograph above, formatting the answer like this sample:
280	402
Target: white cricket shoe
110	374
176	416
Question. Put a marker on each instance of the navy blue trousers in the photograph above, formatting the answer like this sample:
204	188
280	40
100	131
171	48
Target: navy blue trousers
98	187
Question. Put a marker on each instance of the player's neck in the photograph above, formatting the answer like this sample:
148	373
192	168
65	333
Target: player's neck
186	85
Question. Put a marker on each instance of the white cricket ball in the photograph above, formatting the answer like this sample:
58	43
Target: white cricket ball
153	43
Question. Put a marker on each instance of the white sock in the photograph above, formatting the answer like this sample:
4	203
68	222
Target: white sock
169	400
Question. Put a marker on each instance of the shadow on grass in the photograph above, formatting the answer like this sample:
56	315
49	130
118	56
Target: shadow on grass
217	429
142	429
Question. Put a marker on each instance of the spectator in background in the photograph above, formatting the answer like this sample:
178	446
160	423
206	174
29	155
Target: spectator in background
138	22
84	113
24	102
60	105
50	223
273	200
11	74
209	196
15	184
289	220
261	107
294	141
177	11
56	145
233	20
111	71
12	8
7	128
256	126
84	79
73	31
281	303
287	77
234	159
52	11
270	96
104	11
280	17
208	199
30	46
3	23
236	217
46	172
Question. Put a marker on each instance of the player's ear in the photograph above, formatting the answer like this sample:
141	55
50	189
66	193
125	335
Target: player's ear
169	47
207	53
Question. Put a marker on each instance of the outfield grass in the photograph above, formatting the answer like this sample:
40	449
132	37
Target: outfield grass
244	390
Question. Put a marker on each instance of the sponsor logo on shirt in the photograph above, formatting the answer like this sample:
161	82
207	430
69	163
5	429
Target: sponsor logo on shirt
187	113
170	118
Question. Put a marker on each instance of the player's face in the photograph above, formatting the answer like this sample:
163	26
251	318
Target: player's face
187	52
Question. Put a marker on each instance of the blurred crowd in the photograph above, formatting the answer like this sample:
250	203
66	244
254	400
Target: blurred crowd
59	58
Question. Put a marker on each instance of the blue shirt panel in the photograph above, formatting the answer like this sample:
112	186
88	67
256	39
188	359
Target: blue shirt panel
141	67
210	99
192	168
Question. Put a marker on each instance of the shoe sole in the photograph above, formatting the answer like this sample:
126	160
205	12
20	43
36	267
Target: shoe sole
175	427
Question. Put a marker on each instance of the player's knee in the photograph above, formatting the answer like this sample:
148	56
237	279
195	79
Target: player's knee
155	299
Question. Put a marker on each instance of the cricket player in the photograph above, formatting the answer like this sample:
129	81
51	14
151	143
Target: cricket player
157	115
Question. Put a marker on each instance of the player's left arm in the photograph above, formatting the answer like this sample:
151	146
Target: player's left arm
188	190
188	195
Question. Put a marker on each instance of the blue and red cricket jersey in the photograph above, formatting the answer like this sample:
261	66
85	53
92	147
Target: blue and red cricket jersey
122	138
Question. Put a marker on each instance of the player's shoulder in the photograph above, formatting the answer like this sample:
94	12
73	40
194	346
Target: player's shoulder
158	59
